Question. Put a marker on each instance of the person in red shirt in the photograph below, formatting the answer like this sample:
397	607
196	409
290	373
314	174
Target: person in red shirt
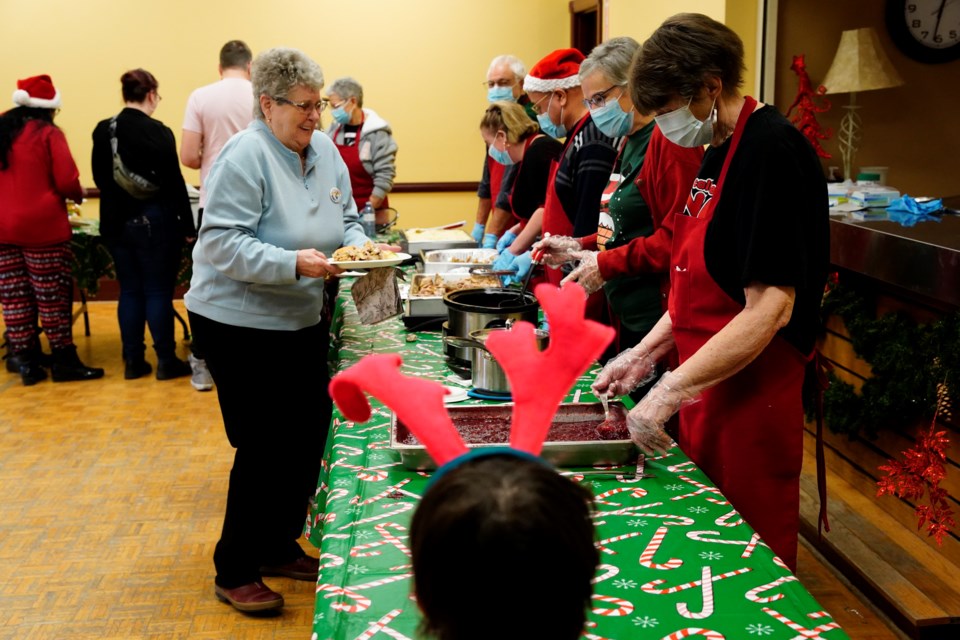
37	175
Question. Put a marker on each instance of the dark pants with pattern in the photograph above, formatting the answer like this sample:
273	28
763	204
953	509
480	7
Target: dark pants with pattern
147	258
272	387
36	282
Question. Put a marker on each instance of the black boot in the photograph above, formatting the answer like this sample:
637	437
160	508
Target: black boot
135	368
170	368
67	366
31	372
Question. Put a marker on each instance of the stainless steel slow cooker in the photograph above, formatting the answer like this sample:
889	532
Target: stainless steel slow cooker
485	372
473	309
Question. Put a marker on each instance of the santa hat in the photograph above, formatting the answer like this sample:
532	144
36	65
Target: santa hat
37	92
559	70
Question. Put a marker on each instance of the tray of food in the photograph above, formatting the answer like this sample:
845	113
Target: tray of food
369	256
578	437
416	240
444	260
425	297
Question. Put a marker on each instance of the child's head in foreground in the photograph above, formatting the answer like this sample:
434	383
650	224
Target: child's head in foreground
497	536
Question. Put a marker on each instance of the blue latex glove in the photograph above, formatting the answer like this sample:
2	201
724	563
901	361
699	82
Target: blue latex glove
523	263
477	233
505	240
909	212
504	262
489	241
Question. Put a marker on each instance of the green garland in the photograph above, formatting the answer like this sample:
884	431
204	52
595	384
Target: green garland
908	360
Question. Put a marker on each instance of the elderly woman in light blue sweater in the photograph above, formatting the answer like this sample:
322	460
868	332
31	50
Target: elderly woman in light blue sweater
279	203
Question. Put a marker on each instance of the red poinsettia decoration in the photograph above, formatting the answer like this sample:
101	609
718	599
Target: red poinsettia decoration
805	119
921	471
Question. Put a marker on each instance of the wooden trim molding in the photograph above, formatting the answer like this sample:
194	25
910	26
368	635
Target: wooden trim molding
400	187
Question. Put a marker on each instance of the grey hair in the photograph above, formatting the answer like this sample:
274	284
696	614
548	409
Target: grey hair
611	58
347	88
518	68
277	71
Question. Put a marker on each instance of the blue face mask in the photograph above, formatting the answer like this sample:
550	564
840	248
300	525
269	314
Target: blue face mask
496	93
546	124
340	115
500	156
612	120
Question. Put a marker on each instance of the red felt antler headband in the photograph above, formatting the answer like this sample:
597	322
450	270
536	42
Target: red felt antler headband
539	380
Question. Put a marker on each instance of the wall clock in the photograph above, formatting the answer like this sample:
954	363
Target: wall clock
925	30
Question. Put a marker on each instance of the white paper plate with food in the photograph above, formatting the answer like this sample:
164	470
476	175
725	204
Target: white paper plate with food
369	256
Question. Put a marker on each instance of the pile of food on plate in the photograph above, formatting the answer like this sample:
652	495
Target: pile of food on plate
368	251
437	285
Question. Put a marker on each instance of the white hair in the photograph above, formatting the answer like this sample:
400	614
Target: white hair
611	58
276	71
516	65
347	88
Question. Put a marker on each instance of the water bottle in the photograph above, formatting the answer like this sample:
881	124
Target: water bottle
368	220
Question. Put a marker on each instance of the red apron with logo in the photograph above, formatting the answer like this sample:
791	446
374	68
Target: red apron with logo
360	181
746	433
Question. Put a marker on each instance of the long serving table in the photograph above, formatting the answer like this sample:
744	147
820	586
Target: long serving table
676	559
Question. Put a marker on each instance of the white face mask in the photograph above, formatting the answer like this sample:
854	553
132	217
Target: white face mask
681	127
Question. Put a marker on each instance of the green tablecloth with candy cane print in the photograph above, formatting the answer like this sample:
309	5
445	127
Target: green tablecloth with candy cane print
677	561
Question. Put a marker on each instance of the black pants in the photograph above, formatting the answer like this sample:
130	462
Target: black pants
272	387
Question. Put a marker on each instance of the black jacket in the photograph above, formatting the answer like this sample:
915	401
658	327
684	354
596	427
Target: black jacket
148	148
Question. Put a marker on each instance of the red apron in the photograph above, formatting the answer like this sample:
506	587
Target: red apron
496	178
746	433
360	181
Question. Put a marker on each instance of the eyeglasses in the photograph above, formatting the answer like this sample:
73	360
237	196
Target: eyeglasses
598	100
536	105
304	107
490	84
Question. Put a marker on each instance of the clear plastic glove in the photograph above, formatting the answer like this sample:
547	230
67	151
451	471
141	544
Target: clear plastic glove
504	261
489	241
587	273
523	263
477	233
505	240
646	420
631	369
558	250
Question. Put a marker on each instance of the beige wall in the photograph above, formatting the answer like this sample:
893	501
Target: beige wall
421	63
913	129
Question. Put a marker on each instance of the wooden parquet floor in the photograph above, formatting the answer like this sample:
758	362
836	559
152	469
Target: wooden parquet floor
111	500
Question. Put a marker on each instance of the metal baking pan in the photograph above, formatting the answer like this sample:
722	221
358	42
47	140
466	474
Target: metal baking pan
416	305
560	454
444	260
413	241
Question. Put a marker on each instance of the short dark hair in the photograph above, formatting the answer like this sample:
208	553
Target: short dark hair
235	53
681	54
496	531
136	84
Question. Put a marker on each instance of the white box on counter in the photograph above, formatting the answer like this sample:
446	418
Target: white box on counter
416	240
442	261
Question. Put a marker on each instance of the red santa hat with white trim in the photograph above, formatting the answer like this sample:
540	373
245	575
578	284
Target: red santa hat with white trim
558	70
37	92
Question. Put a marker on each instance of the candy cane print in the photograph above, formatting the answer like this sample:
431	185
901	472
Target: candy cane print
749	545
626	511
336	494
620	607
609	571
723	521
651	587
360	603
680	467
693	631
721	502
601	545
372	476
347	449
601	498
381	626
391	510
646	558
383	494
379	583
669	518
706	583
701	488
804	633
754	594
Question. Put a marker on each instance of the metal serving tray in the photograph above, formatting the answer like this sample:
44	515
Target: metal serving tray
413	241
561	454
415	305
444	260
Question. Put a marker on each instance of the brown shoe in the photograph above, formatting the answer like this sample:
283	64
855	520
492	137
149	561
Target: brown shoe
255	596
303	568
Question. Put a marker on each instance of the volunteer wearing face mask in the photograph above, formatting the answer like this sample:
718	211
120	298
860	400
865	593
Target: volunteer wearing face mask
648	185
748	266
583	171
366	144
504	83
512	138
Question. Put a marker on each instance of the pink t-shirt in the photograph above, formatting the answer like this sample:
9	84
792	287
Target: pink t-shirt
216	112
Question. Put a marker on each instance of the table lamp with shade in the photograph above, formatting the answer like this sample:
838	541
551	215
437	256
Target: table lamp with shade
860	64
